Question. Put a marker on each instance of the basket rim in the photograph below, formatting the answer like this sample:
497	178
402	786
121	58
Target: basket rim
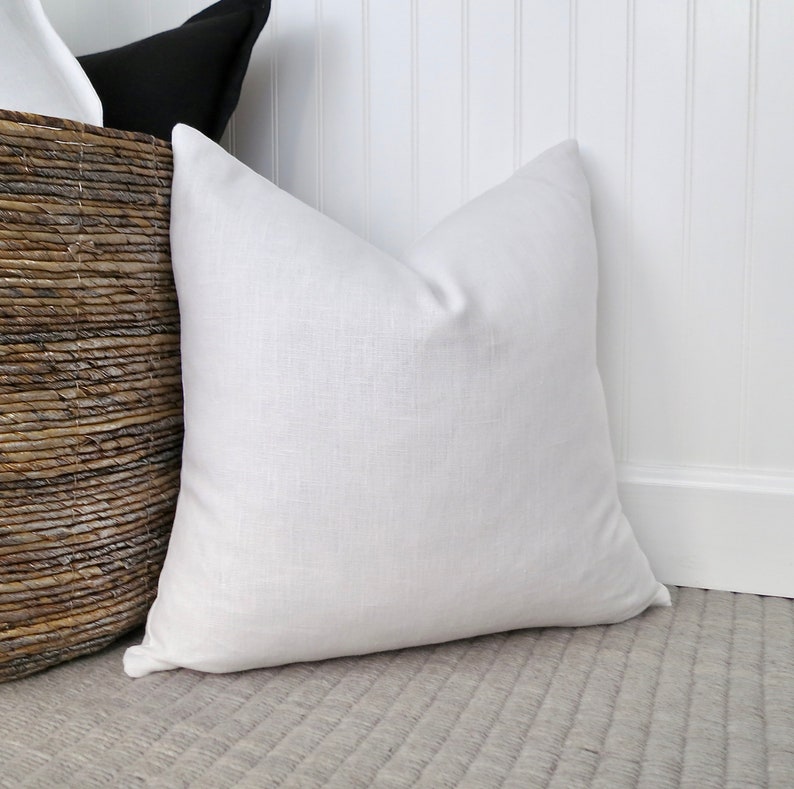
66	124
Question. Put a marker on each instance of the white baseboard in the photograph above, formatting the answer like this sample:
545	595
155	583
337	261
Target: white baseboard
713	528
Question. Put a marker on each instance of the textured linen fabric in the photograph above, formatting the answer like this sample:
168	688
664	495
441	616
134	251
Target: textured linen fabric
382	453
38	73
698	696
192	74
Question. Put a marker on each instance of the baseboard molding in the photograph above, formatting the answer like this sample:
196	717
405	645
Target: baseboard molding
713	528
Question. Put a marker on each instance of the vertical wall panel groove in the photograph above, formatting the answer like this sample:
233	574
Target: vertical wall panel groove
366	89
518	86
273	24
544	76
598	113
390	103
657	226
319	104
573	6
341	108
623	446
439	110
686	240
770	383
491	110
465	123
709	404
749	210
415	174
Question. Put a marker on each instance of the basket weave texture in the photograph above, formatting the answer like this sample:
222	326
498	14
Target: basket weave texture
90	390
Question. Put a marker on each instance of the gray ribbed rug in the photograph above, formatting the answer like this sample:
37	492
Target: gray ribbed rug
700	695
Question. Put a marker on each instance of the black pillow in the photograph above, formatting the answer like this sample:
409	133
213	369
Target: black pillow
191	74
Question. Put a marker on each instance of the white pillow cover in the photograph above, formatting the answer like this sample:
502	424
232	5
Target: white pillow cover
384	453
38	73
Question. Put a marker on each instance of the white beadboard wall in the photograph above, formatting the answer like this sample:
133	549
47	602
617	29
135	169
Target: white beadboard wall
387	114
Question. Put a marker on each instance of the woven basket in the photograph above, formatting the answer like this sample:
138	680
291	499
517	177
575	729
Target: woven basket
90	392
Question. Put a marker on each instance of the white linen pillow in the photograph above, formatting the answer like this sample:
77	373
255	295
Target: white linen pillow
38	73
382	453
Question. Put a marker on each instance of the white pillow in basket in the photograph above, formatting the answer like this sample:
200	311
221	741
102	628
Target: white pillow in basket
38	73
382	453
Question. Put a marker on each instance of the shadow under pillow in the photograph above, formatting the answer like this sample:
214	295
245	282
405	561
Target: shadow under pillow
191	74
